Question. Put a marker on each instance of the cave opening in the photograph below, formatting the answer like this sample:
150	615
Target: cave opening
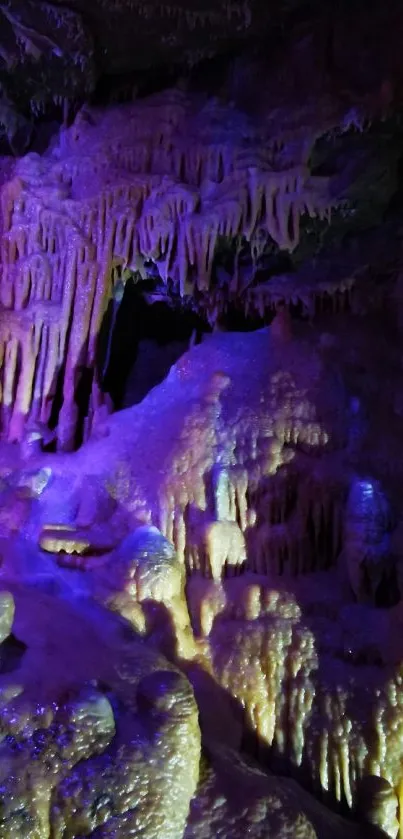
140	340
11	654
148	329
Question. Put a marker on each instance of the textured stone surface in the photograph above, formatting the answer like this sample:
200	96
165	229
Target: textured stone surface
6	615
243	522
252	433
235	798
100	730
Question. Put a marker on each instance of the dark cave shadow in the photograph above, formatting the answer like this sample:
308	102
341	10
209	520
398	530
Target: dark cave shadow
12	652
224	725
132	323
70	418
45	414
67	422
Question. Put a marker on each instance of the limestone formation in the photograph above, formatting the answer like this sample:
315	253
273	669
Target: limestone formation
235	798
201	594
7	615
160	180
120	751
98	733
258	452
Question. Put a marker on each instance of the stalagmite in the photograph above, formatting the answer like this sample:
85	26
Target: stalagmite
224	547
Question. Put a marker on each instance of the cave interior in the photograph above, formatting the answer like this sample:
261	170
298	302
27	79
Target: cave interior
201	419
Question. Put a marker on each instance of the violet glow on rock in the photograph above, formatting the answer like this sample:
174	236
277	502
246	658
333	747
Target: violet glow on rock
200	595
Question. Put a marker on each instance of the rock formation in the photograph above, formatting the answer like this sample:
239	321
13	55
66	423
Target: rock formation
155	181
204	588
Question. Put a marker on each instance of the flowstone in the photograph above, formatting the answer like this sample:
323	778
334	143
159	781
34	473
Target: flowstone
98	730
101	739
248	435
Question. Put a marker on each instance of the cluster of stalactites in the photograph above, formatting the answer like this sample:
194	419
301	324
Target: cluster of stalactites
292	526
299	527
312	299
174	182
51	305
303	710
289	664
178	226
103	199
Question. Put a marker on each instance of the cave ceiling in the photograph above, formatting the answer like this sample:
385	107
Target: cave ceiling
53	53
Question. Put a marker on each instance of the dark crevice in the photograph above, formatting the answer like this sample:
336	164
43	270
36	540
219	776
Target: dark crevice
387	593
82	397
57	400
11	654
147	338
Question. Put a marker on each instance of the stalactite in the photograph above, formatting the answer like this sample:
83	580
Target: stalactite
174	186
303	703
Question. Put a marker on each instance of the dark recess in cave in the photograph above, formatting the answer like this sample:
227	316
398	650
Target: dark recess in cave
146	340
137	351
11	654
125	87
